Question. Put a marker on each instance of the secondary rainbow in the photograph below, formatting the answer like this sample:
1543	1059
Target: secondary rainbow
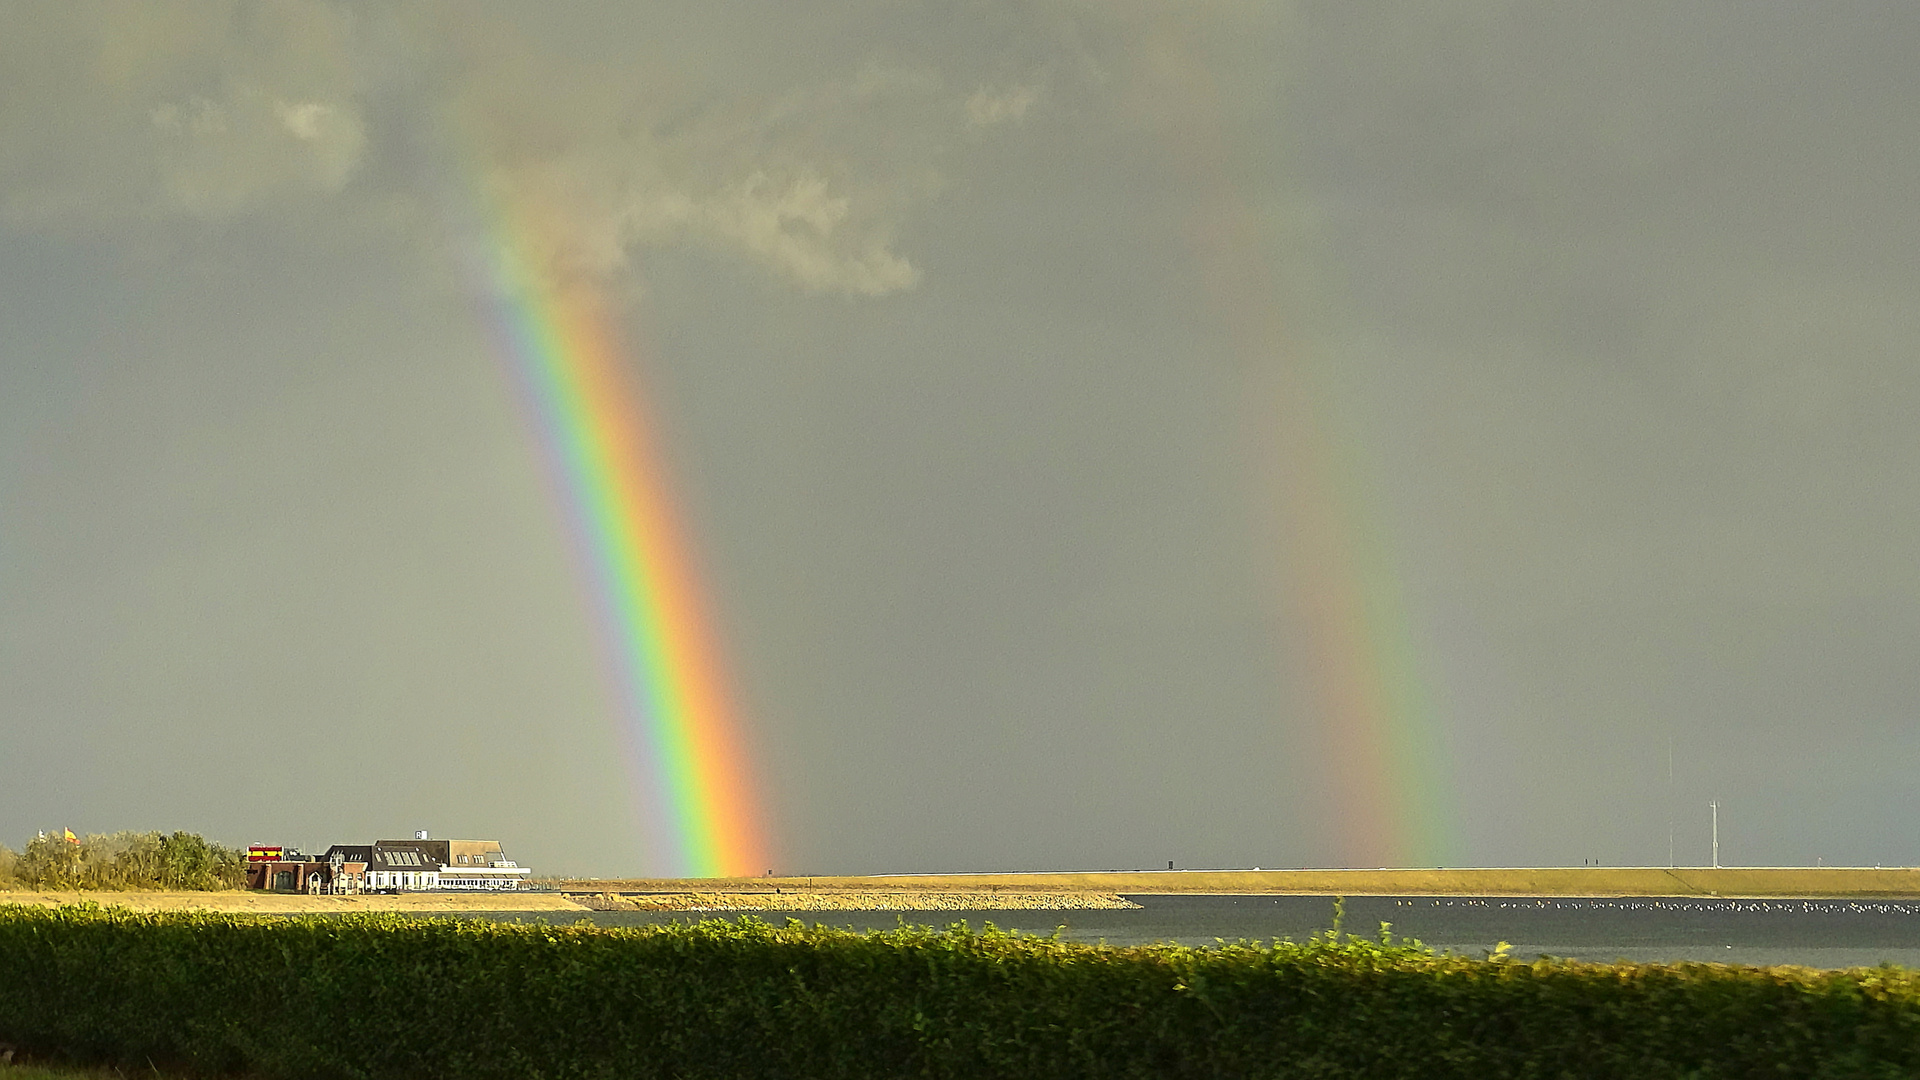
1361	657
562	341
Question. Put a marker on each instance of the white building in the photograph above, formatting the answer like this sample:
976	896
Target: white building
421	865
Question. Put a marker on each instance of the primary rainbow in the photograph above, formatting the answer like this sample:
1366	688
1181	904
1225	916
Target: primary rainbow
562	342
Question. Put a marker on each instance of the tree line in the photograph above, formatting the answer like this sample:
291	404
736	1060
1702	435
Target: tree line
123	860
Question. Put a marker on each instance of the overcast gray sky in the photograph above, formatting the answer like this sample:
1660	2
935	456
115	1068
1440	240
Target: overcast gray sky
1068	401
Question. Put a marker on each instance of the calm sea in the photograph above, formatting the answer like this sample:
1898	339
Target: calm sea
1814	933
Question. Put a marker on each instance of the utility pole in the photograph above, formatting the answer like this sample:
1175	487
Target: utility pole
1715	804
1669	801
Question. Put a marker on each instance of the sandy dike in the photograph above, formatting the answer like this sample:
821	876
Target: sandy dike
692	900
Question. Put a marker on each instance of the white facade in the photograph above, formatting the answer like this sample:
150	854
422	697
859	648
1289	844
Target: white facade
501	875
408	880
465	878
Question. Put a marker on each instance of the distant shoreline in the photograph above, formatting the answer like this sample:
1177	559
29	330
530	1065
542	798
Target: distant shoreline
1037	892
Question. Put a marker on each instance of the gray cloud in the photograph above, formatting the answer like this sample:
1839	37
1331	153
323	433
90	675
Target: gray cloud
1606	309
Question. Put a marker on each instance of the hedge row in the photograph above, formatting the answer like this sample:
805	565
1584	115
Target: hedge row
390	997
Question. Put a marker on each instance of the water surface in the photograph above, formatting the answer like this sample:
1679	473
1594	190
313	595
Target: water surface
1814	933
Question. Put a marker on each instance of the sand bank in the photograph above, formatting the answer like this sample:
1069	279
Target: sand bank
1757	882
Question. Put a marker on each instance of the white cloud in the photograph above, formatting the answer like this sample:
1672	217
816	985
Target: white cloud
220	158
989	107
810	182
209	110
200	108
799	229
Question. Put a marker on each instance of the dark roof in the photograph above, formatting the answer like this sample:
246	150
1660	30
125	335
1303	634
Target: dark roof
405	855
408	855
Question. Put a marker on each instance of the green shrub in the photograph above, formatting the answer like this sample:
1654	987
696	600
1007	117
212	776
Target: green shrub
128	860
8	860
382	996
18	1071
188	861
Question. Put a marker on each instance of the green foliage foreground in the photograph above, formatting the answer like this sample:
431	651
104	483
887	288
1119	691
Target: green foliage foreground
388	996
